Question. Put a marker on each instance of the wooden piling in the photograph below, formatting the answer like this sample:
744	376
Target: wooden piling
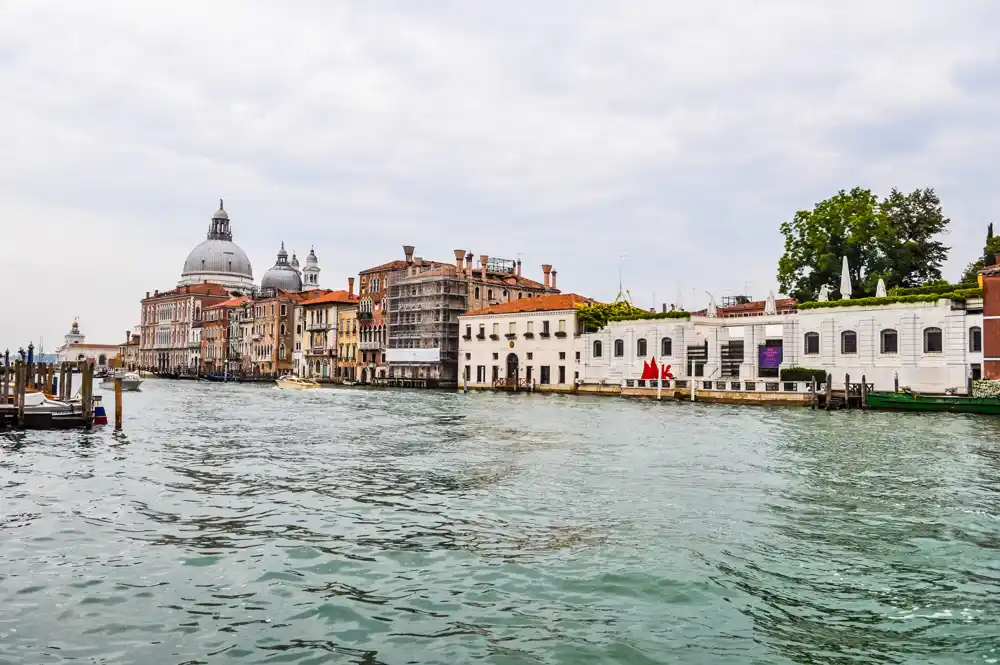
69	382
812	394
847	391
864	392
22	387
87	394
118	404
829	392
895	382
4	383
50	379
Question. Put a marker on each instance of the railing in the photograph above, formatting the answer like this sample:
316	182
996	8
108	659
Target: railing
512	383
318	327
369	346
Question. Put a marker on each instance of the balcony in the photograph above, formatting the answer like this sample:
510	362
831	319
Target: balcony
561	334
529	335
467	337
544	334
511	335
369	346
481	336
494	336
319	327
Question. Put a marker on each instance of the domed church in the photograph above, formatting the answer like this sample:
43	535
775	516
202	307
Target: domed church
218	260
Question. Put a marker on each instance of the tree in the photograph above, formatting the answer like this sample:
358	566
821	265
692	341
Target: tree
991	249
894	239
817	240
908	223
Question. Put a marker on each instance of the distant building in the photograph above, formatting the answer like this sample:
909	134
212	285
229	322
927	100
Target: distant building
347	343
320	318
75	348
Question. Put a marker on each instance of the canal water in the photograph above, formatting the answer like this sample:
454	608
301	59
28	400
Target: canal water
245	524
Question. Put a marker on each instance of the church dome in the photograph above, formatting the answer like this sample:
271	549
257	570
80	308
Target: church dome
282	276
217	259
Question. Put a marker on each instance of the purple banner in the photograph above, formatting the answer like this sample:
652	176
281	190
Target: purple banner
770	356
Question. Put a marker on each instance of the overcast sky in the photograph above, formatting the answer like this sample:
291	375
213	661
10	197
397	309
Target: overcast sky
572	132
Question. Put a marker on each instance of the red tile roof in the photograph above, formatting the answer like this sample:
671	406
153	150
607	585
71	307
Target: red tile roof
196	289
548	303
232	302
341	297
398	264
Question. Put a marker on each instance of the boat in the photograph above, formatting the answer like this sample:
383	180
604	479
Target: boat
911	401
348	382
130	381
296	383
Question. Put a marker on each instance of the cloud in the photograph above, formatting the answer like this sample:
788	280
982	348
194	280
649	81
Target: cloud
681	134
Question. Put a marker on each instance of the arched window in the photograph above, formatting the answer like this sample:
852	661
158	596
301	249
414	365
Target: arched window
848	342
102	359
933	340
812	344
640	348
619	348
976	339
477	292
489	294
889	341
598	348
666	347
282	328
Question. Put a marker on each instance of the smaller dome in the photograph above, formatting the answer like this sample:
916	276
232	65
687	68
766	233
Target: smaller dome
294	262
311	260
282	275
221	212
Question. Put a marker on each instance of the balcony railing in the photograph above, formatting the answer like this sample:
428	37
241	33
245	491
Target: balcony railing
560	333
369	346
318	327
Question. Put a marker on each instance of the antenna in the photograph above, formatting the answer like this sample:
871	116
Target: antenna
621	263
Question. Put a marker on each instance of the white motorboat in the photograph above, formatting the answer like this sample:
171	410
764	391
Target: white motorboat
296	383
130	381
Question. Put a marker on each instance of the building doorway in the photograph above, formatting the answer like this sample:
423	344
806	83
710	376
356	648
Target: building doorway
364	376
512	366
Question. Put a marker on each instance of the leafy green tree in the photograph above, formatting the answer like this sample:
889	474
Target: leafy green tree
992	248
894	239
909	254
817	240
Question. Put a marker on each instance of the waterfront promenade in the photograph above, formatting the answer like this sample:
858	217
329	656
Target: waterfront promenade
248	524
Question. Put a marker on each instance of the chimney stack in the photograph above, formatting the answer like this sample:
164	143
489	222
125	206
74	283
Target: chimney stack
459	258
483	259
547	270
408	251
147	294
468	264
553	280
518	272
350	287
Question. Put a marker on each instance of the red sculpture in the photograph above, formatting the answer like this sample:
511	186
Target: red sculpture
650	372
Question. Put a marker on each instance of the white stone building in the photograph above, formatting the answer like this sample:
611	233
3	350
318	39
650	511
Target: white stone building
929	346
521	344
75	348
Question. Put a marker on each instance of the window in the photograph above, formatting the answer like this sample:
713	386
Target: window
598	348
489	294
477	292
496	373
496	328
480	373
283	329
545	327
531	326
468	356
977	371
577	356
848	342
468	373
531	355
933	340
496	356
640	348
666	347
562	355
889	341
562	374
284	309
976	339
512	328
619	348
812	344
482	330
281	352
544	380
468	331
562	325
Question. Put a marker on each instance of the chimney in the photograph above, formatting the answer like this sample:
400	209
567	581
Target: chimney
468	264
350	287
419	261
483	259
459	258
518	272
547	270
147	294
664	306
553	280
156	292
408	251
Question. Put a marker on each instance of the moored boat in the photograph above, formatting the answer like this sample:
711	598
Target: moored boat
130	381
910	401
296	383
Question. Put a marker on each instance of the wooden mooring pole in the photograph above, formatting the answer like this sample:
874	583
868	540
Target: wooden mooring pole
87	394
812	392
22	387
69	382
847	391
864	392
4	383
118	404
829	391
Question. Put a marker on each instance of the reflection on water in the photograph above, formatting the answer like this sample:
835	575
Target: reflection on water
247	524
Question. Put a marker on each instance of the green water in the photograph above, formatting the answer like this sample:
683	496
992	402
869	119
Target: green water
244	524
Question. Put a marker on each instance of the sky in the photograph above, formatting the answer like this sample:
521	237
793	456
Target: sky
570	132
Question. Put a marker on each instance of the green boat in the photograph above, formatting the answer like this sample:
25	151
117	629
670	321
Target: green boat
905	401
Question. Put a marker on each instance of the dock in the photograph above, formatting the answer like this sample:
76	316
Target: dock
55	382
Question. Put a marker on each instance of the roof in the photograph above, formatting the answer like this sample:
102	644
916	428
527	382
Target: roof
550	303
232	302
751	307
332	297
195	289
398	264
